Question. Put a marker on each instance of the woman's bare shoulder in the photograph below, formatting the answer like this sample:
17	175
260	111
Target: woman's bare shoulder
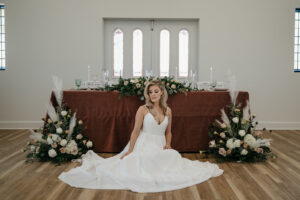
169	111
143	109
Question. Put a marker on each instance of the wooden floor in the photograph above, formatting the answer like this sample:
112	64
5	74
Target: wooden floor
275	179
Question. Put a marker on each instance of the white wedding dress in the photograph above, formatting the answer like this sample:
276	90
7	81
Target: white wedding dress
149	168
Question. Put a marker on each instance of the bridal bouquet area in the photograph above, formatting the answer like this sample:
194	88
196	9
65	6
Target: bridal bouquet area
236	137
61	138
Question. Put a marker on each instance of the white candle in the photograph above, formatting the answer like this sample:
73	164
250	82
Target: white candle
89	73
211	74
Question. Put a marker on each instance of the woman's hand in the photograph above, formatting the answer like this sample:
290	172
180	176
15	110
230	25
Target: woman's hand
167	146
125	154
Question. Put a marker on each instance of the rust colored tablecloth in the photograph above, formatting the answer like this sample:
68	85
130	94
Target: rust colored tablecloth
109	122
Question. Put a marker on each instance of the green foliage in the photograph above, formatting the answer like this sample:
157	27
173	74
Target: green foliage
238	140
136	86
52	133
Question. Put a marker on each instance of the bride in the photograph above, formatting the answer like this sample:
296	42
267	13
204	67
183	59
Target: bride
147	163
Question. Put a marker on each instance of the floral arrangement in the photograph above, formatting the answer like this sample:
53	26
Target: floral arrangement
61	139
236	137
136	86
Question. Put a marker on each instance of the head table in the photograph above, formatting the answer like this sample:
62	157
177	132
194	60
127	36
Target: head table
109	122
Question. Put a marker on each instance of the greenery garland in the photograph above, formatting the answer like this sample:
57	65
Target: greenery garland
136	86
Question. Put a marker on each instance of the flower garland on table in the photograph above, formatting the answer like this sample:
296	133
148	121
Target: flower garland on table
61	139
136	86
236	138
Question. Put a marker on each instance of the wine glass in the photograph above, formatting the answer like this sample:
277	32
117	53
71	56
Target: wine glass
105	73
78	83
192	78
148	72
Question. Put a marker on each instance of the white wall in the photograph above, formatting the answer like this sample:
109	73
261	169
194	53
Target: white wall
253	38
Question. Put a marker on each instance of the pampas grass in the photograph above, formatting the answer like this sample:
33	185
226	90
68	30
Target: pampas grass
58	84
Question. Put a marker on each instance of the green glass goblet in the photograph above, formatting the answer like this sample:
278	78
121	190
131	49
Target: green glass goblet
78	83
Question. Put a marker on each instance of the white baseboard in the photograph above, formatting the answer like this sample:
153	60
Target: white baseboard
38	124
20	124
279	125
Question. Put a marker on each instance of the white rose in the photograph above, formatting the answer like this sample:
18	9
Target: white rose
235	120
64	113
212	143
89	144
237	143
59	130
63	142
49	140
55	137
244	152
173	86
74	151
222	135
250	140
32	148
79	136
229	143
73	143
242	132
138	85
125	83
52	153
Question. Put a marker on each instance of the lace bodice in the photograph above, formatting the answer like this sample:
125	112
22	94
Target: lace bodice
151	126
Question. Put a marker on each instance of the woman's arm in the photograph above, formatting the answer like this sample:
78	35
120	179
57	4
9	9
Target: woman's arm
139	117
168	130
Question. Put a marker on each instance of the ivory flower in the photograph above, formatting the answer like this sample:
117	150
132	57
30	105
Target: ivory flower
52	153
235	120
63	113
89	144
59	130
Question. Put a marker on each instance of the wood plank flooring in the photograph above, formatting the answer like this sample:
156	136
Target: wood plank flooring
275	179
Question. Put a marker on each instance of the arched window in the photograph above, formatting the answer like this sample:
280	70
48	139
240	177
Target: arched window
137	52
183	53
118	44
164	58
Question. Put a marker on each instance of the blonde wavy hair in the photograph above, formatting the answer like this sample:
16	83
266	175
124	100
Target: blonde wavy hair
163	98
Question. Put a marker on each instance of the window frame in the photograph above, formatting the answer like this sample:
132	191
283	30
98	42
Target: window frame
2	59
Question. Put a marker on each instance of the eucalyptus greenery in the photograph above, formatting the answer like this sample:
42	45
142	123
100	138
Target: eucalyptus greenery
136	86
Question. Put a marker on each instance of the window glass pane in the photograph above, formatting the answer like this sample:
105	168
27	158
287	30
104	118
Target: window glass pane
296	45
183	53
2	38
164	52
118	52
137	60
